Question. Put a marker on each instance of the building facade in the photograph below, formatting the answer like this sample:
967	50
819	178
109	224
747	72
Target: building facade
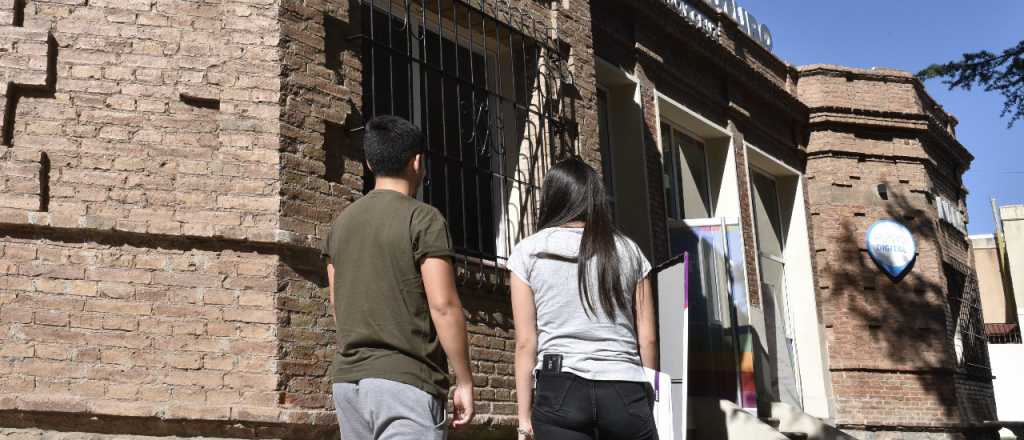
880	148
711	120
170	167
998	259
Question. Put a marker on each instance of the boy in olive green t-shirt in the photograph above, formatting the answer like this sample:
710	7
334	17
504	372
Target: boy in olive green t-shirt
394	301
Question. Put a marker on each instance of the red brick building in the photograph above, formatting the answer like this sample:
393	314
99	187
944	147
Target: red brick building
881	148
170	166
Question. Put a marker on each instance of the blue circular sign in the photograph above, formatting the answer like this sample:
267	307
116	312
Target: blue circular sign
892	246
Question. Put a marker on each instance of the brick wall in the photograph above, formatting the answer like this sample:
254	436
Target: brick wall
871	127
317	114
890	90
321	105
124	151
138	217
111	327
181	186
169	167
320	108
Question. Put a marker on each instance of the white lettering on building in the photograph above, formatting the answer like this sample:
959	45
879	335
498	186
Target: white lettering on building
950	213
695	17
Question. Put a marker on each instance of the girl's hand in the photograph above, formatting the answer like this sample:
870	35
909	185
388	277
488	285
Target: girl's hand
525	430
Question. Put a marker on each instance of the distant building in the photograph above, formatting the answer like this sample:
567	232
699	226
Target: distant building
999	260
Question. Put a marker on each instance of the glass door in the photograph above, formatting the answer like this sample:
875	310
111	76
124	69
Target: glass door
721	361
720	351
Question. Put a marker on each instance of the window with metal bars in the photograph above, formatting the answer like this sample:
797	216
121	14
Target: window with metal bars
1003	334
492	100
970	342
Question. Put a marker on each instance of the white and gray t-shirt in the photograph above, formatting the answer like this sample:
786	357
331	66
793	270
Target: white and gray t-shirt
592	346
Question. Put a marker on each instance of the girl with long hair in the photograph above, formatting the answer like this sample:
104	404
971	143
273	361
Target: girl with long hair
584	318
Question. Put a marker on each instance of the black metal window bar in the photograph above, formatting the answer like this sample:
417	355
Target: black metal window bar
970	342
489	85
1003	333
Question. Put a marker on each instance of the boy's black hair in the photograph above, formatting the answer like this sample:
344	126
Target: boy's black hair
389	143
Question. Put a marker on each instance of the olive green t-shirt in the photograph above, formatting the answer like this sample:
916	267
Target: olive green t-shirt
384	328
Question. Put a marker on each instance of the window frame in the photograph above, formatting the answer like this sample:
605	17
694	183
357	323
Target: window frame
518	105
672	150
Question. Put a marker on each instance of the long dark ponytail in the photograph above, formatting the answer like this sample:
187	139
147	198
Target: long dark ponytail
574	192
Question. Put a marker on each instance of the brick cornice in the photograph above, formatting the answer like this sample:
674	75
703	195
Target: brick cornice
924	123
877	74
930	165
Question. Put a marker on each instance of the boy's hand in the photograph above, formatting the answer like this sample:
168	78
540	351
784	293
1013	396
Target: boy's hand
463	403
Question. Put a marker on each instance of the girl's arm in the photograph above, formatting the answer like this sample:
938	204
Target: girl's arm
524	311
646	334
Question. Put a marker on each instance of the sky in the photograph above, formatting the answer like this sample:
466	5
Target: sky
909	35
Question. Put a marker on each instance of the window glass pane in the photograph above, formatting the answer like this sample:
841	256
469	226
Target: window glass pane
713	370
694	177
779	383
767	217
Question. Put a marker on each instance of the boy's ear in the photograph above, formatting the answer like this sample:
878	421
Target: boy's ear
417	163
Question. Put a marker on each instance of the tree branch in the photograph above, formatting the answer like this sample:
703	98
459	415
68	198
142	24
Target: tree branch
989	71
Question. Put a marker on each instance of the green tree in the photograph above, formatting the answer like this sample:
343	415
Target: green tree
1003	73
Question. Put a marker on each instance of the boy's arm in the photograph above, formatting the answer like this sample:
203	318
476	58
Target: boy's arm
446	312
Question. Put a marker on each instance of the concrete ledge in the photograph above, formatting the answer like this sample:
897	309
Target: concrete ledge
97	425
940	431
304	425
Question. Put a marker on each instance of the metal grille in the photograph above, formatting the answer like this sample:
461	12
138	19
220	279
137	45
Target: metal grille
1003	333
969	339
491	90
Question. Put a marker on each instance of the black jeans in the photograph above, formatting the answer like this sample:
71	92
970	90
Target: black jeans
569	407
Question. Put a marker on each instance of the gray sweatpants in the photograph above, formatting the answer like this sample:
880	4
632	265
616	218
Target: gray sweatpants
379	409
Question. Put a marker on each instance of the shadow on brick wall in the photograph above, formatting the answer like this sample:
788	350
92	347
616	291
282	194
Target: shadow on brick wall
889	339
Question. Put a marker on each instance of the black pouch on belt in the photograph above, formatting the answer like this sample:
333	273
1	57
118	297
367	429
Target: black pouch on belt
551	363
